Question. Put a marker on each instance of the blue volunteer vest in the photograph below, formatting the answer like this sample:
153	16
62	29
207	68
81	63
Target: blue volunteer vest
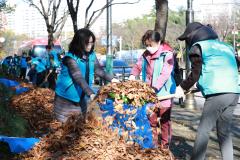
56	63
24	62
219	68
170	86
40	64
65	87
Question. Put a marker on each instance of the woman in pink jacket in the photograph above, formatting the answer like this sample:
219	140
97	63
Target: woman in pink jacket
156	65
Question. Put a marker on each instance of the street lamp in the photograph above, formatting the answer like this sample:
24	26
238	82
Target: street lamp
189	102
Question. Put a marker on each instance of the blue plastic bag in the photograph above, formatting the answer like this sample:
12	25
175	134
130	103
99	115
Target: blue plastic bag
11	83
143	132
19	145
8	83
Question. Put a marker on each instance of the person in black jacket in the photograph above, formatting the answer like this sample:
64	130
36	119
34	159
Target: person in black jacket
214	68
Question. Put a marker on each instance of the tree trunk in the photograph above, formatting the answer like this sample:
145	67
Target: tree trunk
50	36
75	26
73	10
74	20
161	17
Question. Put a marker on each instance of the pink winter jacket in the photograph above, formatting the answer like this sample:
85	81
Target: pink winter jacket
166	71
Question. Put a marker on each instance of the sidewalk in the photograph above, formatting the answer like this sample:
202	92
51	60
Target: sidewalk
185	123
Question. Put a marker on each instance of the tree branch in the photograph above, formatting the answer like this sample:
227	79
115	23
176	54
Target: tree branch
61	20
30	2
78	1
43	9
49	8
92	19
58	33
86	12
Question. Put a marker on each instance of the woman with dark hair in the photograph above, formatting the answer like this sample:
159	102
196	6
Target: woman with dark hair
76	76
156	65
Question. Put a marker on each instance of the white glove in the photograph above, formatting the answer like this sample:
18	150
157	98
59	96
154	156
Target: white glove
114	80
131	78
179	92
92	96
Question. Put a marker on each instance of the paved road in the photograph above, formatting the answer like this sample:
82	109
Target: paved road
200	101
185	123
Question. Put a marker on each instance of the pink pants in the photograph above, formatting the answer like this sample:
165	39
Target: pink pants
165	122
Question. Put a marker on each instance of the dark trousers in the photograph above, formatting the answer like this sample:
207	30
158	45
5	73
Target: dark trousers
23	73
52	80
64	108
217	111
32	75
40	78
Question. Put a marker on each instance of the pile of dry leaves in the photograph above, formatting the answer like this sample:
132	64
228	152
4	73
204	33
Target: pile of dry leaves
36	106
74	140
135	93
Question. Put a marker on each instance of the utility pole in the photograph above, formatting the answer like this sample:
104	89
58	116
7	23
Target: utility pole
234	29
109	56
189	102
120	43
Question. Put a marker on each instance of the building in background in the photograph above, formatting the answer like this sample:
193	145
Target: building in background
204	10
222	15
27	20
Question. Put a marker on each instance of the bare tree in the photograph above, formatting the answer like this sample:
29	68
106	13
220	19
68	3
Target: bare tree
89	20
73	10
161	17
4	7
96	14
222	24
49	10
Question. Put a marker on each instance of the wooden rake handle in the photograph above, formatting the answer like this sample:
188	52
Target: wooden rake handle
173	95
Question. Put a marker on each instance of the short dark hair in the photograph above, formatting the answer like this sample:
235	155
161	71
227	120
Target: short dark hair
80	40
151	35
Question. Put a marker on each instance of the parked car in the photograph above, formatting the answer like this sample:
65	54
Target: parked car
121	70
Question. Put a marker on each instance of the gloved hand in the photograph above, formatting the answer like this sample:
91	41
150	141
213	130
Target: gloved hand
131	78
179	92
114	80
92	96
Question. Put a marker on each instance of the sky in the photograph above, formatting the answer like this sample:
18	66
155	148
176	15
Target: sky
126	11
123	12
129	11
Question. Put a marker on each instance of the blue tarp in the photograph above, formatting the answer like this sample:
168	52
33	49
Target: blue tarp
18	145
11	83
8	83
20	90
142	134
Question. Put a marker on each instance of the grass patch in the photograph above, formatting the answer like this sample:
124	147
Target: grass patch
11	124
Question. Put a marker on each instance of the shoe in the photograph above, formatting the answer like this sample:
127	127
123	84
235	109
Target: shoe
164	147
